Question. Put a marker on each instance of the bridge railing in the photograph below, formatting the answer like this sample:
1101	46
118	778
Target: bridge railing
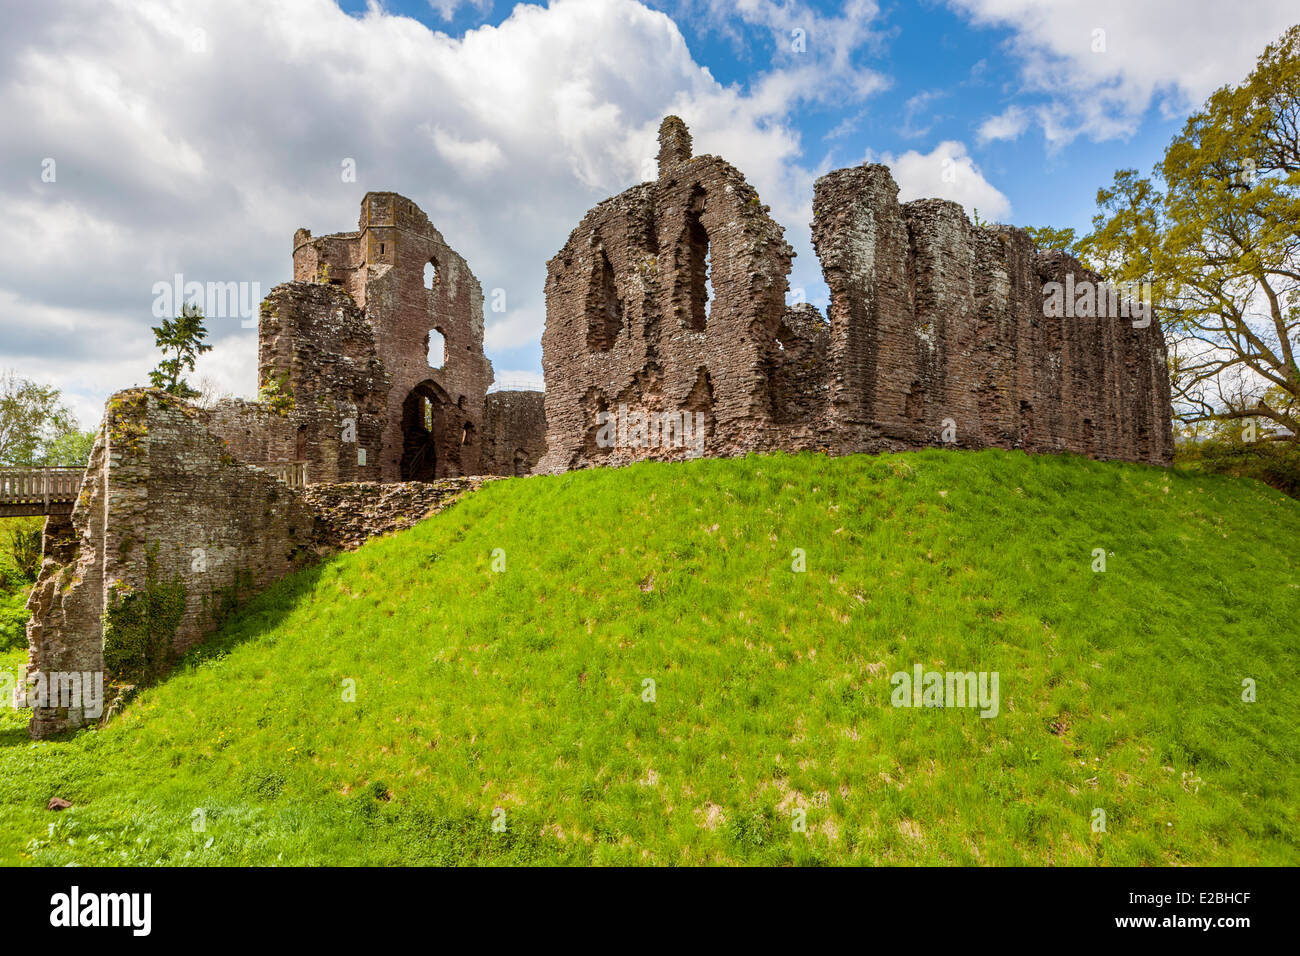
292	473
39	485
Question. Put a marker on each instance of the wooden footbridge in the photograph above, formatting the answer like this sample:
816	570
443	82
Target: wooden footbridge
38	491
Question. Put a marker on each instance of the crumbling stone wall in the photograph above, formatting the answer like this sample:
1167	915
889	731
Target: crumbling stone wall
320	371
429	414
170	531
348	515
629	321
254	431
348	381
514	432
939	336
936	332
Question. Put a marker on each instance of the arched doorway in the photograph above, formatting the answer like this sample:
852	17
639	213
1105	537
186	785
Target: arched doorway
423	430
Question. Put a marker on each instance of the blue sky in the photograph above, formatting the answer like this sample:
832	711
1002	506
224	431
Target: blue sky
946	77
194	136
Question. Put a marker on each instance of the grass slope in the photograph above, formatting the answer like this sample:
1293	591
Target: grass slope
522	691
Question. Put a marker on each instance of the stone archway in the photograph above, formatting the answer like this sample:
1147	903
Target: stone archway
424	432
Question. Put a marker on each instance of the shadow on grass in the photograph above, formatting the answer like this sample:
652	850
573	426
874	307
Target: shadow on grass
259	614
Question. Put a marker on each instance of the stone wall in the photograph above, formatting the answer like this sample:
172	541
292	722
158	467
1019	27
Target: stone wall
170	531
321	374
937	332
348	380
253	431
347	515
940	336
514	432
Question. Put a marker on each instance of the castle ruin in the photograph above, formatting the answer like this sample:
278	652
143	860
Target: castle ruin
371	364
937	331
361	428
667	336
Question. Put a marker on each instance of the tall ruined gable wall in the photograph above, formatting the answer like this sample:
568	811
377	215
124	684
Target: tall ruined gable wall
170	530
602	321
627	324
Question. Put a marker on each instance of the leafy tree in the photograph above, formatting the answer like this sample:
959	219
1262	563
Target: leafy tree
24	548
32	417
1216	229
72	447
181	342
1047	237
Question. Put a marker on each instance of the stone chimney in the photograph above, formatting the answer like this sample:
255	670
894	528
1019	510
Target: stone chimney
674	145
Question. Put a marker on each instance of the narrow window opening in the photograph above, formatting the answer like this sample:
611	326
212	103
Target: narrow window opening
604	309
708	281
437	347
430	274
696	263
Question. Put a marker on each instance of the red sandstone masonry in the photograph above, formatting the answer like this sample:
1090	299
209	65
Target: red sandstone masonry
343	363
626	319
514	432
935	327
381	267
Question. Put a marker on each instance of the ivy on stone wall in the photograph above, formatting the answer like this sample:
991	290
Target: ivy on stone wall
139	626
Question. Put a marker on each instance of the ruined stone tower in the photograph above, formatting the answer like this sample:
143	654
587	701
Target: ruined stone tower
413	289
371	364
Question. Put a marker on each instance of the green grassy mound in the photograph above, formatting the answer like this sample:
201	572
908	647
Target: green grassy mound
504	716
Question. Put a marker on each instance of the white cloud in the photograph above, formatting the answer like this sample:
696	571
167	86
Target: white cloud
912	110
447	8
1171	52
194	136
481	155
947	172
1008	124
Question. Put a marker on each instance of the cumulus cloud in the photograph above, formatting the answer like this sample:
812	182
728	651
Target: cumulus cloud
818	52
947	172
193	136
1008	124
479	156
1102	63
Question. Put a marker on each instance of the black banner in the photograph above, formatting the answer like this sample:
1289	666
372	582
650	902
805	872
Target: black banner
1219	906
